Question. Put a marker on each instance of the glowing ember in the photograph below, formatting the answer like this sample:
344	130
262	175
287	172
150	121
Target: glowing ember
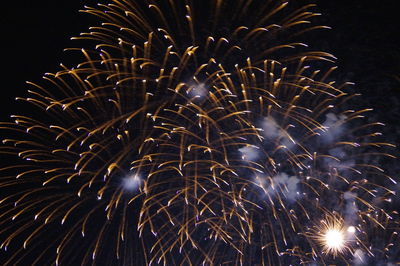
351	229
334	239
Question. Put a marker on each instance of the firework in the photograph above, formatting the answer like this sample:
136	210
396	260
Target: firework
194	134
333	236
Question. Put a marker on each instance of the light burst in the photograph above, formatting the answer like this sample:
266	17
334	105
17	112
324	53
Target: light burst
334	240
332	235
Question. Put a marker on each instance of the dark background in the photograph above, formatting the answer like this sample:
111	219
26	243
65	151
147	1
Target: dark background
364	37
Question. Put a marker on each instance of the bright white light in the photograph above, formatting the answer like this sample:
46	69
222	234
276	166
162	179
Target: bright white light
334	239
351	229
131	183
333	235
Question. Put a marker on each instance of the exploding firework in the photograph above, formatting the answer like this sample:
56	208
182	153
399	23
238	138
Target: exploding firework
332	235
194	134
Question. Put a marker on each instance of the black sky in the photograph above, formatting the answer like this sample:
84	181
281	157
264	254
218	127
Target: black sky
364	38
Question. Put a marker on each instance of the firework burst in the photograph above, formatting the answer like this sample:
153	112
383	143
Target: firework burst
194	134
333	236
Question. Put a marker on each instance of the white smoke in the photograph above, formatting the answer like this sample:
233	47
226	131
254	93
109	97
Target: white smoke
338	153
197	90
270	128
333	127
350	212
249	153
131	183
359	257
286	185
340	161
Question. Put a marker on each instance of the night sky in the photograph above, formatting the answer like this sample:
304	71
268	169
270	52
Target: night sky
364	37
